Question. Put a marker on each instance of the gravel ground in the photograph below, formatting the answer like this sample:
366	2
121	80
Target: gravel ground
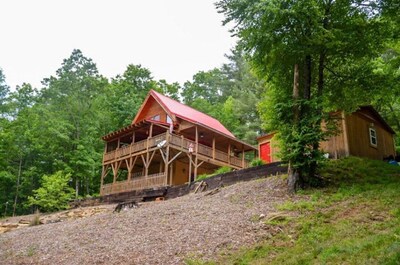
167	232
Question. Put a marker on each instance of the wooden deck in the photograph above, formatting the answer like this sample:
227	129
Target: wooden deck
138	183
204	152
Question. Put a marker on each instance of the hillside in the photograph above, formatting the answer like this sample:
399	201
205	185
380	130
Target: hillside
155	233
354	220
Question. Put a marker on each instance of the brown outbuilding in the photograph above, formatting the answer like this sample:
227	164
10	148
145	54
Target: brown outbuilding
363	133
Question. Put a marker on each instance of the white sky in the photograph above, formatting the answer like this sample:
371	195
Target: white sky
174	39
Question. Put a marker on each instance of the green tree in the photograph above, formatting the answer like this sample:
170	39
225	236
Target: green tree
16	144
4	90
211	86
230	94
333	44
169	90
387	78
54	193
70	102
125	95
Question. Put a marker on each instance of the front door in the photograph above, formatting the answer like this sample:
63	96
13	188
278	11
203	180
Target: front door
265	152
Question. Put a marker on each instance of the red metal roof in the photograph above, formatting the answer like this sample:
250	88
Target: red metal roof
187	113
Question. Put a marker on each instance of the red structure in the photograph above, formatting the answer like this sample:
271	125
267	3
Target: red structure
265	152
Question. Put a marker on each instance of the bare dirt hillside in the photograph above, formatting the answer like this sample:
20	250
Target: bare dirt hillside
167	232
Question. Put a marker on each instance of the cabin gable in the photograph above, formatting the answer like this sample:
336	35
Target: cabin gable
153	110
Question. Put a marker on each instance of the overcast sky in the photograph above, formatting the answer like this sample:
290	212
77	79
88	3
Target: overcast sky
174	39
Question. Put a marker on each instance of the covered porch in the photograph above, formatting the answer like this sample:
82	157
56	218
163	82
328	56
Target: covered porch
153	154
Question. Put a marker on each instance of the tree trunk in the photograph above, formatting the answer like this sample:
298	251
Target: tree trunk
293	174
293	179
18	182
76	188
318	111
307	77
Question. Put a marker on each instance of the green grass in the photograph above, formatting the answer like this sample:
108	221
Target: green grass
220	170
355	219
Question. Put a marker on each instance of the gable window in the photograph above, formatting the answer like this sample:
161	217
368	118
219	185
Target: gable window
169	120
372	137
156	118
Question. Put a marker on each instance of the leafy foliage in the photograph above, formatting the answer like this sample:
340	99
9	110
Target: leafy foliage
333	43
230	94
54	193
257	162
59	127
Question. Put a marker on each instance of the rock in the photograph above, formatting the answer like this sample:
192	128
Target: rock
24	221
5	227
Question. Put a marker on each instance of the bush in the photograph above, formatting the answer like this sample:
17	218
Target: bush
257	162
54	193
222	170
202	177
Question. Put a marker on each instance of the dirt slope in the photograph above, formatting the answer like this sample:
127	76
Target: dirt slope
155	233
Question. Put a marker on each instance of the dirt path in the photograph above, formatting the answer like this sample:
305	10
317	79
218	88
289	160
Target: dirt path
155	233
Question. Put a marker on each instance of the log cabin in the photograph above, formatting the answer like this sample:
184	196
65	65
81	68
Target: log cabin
363	133
167	144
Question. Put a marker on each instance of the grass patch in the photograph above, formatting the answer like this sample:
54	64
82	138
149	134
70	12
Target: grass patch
355	219
220	170
31	251
36	219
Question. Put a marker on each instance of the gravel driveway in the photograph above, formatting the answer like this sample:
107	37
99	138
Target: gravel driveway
166	232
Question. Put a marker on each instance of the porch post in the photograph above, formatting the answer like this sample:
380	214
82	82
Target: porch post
196	150
147	158
166	163
190	168
213	147
170	174
151	130
102	178
242	156
229	153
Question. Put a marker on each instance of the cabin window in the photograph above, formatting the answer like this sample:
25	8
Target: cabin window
156	118
169	120
372	137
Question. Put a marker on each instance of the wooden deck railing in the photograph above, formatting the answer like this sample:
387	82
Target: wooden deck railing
151	181
205	150
133	148
177	142
221	156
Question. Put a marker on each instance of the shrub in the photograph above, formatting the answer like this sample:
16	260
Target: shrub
54	193
203	176
222	170
257	162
